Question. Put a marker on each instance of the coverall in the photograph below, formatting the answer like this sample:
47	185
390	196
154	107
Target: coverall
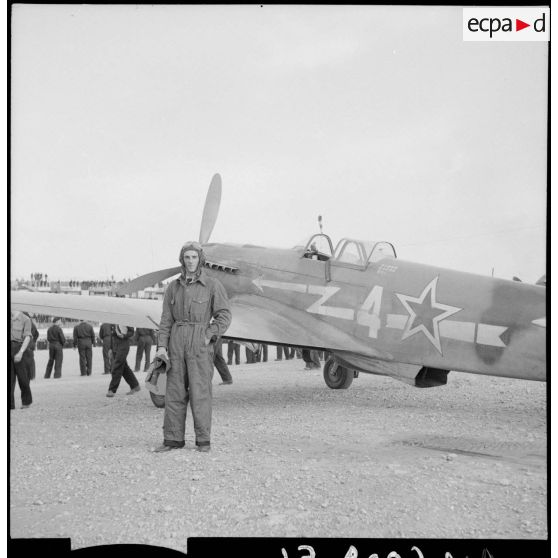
184	328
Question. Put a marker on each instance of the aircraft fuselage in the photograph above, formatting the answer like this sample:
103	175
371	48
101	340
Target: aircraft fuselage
407	312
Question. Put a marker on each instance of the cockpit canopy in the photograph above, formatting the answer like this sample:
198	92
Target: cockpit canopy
348	250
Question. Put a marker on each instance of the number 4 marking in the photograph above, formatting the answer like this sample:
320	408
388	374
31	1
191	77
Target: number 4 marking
369	314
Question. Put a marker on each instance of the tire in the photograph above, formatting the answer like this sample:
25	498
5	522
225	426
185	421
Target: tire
337	376
158	400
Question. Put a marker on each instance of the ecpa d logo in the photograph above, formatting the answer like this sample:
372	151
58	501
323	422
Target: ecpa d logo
506	24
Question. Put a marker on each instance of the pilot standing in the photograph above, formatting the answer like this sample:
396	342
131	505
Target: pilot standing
105	335
195	314
84	339
120	340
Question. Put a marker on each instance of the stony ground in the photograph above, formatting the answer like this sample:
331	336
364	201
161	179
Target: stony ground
290	457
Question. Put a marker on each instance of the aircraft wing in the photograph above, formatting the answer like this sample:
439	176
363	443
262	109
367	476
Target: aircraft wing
255	318
134	312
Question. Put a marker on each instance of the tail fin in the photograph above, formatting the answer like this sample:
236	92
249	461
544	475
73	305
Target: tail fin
542	281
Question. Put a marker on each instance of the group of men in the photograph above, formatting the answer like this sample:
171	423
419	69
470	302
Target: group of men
116	346
258	353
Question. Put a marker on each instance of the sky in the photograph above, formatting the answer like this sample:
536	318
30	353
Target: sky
379	118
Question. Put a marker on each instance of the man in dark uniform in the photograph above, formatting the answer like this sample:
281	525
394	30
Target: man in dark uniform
220	363
84	340
234	348
144	339
120	348
56	340
29	353
20	338
195	314
105	335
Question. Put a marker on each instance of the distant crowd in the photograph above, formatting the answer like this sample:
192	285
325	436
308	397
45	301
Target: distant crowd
40	280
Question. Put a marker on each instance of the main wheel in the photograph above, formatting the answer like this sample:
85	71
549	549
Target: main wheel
336	376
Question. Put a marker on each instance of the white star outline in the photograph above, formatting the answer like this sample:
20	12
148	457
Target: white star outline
448	311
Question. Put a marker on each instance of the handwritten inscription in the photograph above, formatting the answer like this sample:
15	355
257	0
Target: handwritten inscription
352	552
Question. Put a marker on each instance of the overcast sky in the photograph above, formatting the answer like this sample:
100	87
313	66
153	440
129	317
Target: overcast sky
381	119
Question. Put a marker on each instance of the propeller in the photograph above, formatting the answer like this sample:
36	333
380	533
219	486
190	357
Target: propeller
211	208
147	280
209	217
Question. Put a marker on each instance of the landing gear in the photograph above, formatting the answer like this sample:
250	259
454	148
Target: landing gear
337	376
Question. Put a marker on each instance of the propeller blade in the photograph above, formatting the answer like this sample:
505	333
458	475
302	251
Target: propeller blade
147	280
211	208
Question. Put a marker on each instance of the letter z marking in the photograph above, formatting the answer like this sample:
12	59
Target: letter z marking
332	311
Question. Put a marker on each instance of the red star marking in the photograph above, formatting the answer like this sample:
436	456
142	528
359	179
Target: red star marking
425	314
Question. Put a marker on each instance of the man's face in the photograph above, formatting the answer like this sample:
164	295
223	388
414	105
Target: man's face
191	260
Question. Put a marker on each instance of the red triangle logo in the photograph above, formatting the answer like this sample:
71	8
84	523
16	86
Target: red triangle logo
519	25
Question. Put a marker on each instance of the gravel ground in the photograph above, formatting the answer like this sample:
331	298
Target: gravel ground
290	458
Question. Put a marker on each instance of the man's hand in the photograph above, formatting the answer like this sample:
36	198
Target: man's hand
161	351
18	357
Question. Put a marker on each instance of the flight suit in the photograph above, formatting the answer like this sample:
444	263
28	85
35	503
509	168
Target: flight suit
185	328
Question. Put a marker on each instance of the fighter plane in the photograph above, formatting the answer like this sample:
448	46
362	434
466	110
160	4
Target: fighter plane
371	311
